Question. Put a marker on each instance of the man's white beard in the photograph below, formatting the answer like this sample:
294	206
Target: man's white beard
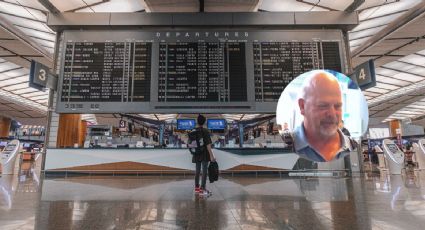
328	132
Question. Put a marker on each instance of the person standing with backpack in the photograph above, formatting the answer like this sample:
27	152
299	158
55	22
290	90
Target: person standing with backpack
202	155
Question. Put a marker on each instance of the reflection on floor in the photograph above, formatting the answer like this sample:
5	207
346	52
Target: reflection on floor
372	201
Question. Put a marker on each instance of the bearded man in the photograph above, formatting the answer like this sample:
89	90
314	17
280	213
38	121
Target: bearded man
318	137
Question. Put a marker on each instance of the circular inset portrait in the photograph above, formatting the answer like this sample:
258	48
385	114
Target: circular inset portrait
319	113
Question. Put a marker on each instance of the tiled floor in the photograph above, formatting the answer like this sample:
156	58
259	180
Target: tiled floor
155	202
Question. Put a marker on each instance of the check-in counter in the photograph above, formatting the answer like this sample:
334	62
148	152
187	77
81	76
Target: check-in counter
164	159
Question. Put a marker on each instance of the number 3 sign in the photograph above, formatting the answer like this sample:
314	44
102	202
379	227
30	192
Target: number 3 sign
40	77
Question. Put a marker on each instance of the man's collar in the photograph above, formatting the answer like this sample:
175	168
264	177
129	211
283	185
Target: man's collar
301	141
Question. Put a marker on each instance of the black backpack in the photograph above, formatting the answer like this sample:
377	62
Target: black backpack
196	142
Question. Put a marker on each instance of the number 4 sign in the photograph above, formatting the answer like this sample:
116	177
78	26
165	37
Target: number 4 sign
364	75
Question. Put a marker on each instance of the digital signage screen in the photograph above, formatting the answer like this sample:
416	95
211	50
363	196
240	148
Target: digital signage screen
392	147
216	124
10	148
185	124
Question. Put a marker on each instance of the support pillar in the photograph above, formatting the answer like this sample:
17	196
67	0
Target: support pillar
5	126
71	131
161	134
241	135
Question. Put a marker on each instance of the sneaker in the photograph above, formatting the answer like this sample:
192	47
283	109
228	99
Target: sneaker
205	192
198	190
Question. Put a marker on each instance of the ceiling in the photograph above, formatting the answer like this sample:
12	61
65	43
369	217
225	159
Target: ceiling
390	31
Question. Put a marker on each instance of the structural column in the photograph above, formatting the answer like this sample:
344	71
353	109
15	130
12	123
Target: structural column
394	125
4	126
161	134
241	135
71	131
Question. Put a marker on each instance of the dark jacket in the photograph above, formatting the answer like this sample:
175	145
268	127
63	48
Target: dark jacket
204	155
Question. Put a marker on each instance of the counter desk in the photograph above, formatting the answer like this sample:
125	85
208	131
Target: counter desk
136	160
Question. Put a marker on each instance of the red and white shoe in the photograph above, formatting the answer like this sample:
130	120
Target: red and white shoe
198	190
205	193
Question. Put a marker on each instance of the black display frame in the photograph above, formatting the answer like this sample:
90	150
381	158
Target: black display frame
249	36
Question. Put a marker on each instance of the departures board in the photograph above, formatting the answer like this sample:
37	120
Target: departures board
202	71
277	63
107	71
213	71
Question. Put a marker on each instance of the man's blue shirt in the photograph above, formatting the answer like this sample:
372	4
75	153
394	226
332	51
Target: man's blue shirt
304	150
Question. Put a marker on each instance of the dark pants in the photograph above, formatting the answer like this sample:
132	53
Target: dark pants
204	173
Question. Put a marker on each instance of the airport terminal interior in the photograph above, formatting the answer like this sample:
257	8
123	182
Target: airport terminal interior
100	102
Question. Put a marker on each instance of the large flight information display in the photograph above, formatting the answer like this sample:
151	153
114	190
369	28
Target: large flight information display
202	71
188	71
276	64
106	71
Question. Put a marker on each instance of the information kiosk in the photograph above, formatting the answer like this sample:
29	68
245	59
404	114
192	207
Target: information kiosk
8	157
394	156
381	158
419	149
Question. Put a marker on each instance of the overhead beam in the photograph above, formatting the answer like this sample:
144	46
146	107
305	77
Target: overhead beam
34	29
256	8
402	71
240	119
387	76
321	20
28	7
38	107
8	55
143	119
201	6
257	120
368	28
408	63
15	77
13	84
386	83
354	5
383	4
22	17
386	98
12	54
317	5
6	26
415	12
49	6
88	6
